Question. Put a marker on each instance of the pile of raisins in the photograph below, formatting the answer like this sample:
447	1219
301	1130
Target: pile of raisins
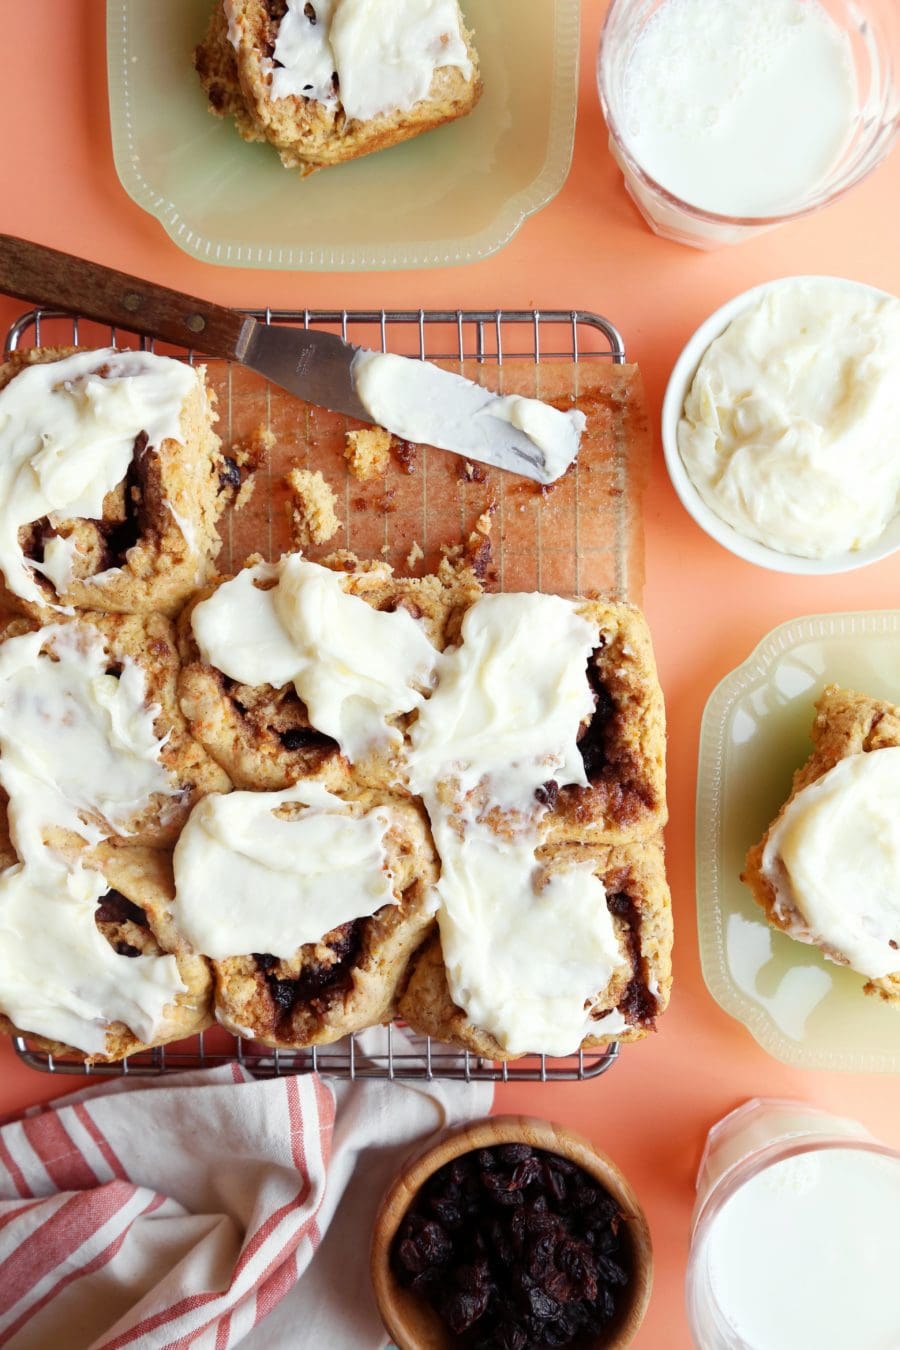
515	1248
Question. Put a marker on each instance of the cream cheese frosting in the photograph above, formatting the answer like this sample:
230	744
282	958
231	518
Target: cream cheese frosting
834	861
421	402
78	751
249	879
387	51
353	666
791	429
384	52
59	561
77	743
509	701
59	977
67	433
526	953
303	60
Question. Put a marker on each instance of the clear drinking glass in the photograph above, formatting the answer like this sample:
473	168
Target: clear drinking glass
873	29
757	1135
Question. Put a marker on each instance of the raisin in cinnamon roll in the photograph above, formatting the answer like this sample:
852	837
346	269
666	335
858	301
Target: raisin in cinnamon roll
639	919
101	972
270	65
622	743
310	907
235	689
118	509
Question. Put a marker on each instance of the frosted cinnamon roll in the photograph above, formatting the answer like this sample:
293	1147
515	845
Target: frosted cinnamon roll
109	480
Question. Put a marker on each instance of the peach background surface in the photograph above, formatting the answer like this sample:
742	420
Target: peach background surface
587	249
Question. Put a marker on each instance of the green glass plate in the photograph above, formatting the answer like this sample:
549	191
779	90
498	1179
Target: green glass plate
451	196
802	1009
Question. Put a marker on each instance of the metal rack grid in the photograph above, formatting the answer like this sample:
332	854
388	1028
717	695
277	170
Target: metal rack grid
485	336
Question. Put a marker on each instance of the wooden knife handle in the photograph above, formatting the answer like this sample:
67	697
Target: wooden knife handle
62	281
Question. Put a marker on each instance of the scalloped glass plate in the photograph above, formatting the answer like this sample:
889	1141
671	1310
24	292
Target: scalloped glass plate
802	1009
451	196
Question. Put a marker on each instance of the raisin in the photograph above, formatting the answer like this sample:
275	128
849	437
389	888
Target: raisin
462	1308
114	907
528	1170
584	1194
457	1172
540	1255
447	1211
120	536
540	1304
430	1246
547	794
501	1190
637	1005
592	742
284	993
554	1181
427	1282
514	1153
304	738
316	980
229	475
611	1271
505	1336
126	949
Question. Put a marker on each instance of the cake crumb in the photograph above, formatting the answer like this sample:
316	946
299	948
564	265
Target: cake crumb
251	452
415	554
477	551
313	517
368	453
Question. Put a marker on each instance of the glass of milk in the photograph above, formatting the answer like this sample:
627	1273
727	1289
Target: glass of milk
731	117
795	1242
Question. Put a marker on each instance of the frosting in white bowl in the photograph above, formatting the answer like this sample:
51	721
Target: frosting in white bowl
839	542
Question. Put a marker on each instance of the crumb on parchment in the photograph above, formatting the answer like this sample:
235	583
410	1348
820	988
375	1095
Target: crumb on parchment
368	453
251	451
312	507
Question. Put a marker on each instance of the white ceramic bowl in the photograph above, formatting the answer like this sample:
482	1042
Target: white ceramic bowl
679	385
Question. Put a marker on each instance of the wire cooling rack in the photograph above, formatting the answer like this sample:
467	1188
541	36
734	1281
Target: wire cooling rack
398	1059
486	337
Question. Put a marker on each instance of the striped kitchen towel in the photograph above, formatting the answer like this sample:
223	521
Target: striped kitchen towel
183	1211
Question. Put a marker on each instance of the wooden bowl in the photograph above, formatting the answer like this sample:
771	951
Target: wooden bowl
412	1321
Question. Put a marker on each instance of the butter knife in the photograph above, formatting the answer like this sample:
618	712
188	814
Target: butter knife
413	399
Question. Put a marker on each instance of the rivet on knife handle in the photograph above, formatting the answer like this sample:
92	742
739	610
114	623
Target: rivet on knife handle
48	277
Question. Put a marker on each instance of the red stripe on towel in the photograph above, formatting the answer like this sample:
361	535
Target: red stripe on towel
56	1241
64	1162
16	1175
101	1259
